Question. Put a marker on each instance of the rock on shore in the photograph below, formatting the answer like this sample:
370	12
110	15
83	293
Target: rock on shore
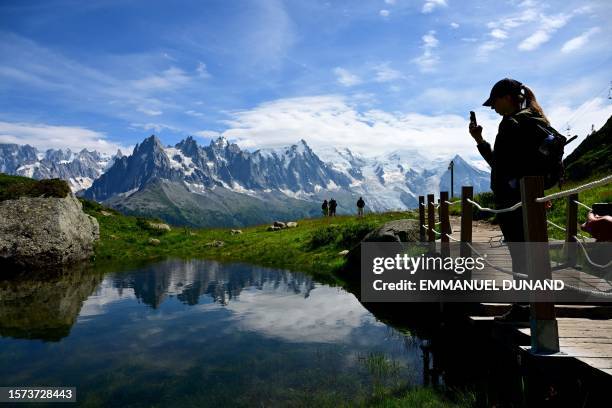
45	232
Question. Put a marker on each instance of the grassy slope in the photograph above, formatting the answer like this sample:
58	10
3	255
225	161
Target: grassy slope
312	247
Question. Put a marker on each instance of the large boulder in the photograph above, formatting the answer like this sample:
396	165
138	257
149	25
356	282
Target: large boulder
398	231
40	232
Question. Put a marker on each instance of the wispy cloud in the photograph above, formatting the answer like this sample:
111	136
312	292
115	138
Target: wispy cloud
171	78
431	5
548	26
384	73
384	13
150	112
428	60
579	41
45	136
155	127
194	113
202	70
346	78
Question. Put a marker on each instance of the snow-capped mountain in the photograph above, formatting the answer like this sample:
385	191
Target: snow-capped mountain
395	180
221	184
79	169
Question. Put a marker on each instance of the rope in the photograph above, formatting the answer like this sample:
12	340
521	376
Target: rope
583	205
587	186
555	225
503	210
453	203
586	254
436	232
453	239
508	271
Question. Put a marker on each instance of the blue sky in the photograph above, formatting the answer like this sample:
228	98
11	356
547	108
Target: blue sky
374	76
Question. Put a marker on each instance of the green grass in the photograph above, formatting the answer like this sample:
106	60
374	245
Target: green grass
312	247
557	214
13	187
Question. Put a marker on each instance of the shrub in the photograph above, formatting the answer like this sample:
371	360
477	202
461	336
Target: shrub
341	236
13	187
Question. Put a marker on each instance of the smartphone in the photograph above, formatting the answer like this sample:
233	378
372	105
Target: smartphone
602	208
473	119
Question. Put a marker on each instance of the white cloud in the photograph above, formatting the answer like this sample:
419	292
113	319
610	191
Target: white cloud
548	26
289	316
207	134
454	25
514	20
156	127
391	2
171	78
431	5
346	78
579	41
329	120
44	136
150	112
202	71
428	60
384	13
384	73
194	113
487	47
499	34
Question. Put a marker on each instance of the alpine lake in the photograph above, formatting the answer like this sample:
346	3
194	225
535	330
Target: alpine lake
202	333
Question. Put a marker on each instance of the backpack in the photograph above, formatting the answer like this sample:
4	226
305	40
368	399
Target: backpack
552	148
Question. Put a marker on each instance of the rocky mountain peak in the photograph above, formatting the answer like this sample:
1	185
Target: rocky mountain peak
188	146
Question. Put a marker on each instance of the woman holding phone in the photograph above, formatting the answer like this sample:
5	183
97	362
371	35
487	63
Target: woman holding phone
515	154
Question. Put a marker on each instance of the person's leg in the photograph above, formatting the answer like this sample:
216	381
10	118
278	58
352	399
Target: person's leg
511	224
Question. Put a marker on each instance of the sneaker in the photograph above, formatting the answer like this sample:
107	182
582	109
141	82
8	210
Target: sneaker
517	314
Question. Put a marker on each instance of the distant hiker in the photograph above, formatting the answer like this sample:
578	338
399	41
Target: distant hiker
325	208
332	207
360	205
517	152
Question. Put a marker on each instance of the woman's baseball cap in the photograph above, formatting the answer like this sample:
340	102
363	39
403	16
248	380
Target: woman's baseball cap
503	87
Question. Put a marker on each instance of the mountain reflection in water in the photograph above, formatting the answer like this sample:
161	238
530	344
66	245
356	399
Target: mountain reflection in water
203	332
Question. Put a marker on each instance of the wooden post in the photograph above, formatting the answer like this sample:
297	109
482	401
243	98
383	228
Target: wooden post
467	193
422	218
544	329
444	224
431	218
571	228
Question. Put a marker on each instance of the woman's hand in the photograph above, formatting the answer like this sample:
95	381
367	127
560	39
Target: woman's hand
476	132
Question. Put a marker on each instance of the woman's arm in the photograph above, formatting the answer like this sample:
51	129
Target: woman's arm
483	147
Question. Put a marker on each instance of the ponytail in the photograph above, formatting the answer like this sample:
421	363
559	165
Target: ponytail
532	103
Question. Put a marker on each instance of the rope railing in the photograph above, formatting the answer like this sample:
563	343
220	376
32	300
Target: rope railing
452	239
494	211
556	226
587	186
588	258
452	203
582	205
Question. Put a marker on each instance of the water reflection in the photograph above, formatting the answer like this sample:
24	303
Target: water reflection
36	307
198	332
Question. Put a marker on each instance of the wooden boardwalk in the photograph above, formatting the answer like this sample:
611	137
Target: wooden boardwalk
585	332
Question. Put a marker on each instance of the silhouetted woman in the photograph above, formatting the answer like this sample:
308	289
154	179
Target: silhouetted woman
515	154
